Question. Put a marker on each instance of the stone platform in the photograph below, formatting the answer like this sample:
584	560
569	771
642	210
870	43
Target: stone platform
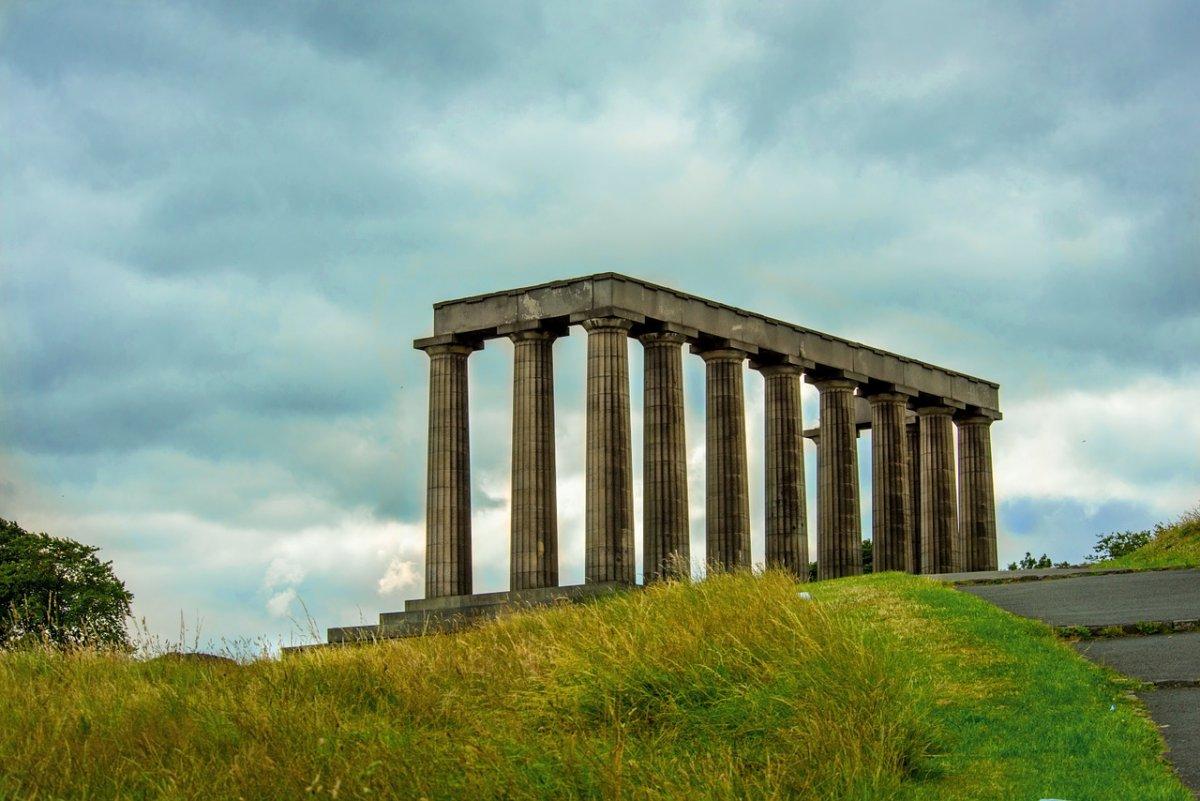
452	612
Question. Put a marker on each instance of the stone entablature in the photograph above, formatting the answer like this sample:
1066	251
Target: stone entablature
610	294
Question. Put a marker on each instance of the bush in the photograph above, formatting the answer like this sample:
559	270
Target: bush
54	590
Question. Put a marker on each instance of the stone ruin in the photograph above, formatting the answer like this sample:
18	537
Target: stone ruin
931	512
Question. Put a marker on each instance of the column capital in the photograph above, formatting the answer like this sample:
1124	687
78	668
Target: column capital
772	370
652	338
968	419
827	384
534	335
711	355
449	349
935	411
606	324
879	398
447	343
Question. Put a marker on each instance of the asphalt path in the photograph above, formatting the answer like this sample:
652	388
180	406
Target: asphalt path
1162	659
1171	661
1103	600
1176	710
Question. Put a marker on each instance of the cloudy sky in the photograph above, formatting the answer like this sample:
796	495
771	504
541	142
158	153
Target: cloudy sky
222	225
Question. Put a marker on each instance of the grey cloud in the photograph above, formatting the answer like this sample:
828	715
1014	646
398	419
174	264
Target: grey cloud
224	223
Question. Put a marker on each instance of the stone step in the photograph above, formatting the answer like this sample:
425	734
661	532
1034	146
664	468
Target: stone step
543	595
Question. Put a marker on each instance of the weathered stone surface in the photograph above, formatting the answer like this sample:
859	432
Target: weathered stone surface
448	488
665	535
610	293
608	532
891	521
534	522
939	507
839	529
727	489
914	491
786	508
977	502
914	496
450	613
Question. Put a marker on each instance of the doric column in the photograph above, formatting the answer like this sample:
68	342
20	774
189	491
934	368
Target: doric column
939	512
608	533
786	513
839	531
448	481
891	524
914	491
977	502
727	491
534	523
665	543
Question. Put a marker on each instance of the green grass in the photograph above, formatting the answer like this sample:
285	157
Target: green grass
1174	545
885	687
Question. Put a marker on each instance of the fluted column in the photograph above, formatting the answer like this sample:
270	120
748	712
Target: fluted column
891	523
786	513
448	481
608	532
534	523
914	491
727	491
939	507
665	543
839	530
977	502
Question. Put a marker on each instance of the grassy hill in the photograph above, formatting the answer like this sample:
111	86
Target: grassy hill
1174	545
885	687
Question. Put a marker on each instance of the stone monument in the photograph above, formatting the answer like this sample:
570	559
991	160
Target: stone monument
931	512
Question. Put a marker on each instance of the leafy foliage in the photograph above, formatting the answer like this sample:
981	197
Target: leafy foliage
1174	544
1028	562
1119	543
55	590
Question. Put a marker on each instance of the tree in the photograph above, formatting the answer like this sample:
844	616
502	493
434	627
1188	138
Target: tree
1119	543
55	590
1029	563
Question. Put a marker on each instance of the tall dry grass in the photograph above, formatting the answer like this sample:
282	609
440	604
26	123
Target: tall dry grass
733	687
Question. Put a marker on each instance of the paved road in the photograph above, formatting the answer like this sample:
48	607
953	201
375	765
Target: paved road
1161	659
1121	599
1100	600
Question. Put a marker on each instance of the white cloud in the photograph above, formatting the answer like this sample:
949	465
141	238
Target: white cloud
401	574
1135	443
280	603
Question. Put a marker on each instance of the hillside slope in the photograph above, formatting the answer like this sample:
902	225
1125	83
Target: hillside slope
1174	545
882	687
